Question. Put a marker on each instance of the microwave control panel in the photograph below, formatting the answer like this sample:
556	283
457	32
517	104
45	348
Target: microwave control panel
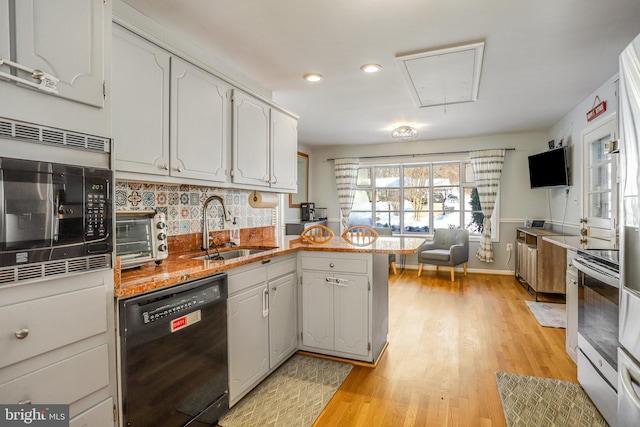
97	208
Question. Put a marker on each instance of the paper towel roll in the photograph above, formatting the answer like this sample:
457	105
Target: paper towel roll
263	200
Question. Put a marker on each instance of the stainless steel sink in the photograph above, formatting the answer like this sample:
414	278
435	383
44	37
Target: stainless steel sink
230	254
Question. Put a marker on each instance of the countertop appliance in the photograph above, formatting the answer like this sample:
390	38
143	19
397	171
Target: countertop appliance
52	211
307	211
598	310
174	355
141	237
629	127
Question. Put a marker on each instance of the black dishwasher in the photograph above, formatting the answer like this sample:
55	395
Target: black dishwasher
174	355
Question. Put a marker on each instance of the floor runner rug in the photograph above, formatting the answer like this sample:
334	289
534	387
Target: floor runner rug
544	402
293	396
549	314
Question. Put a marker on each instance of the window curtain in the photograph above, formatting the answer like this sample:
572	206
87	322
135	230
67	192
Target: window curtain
487	168
346	171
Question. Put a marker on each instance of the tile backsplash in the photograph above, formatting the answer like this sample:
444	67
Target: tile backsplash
183	206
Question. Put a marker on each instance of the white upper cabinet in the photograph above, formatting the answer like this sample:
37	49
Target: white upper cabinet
251	135
265	144
284	143
199	123
171	119
4	32
70	40
64	38
140	104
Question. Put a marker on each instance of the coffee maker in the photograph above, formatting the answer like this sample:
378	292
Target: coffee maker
308	211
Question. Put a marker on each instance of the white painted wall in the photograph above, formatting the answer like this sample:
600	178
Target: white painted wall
517	200
572	127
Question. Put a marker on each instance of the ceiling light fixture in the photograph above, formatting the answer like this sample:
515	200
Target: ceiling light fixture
370	68
312	77
404	132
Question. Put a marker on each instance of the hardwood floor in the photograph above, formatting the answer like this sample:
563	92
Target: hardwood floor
446	342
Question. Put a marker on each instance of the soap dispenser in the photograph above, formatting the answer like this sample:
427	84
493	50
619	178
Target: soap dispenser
234	235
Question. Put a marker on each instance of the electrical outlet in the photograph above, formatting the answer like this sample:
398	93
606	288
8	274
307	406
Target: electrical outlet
509	247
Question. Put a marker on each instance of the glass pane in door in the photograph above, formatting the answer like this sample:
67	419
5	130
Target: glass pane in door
600	205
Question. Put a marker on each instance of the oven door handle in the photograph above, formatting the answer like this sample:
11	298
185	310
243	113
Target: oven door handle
627	378
590	271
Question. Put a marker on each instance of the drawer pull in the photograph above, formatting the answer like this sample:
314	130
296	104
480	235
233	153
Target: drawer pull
25	402
22	333
332	265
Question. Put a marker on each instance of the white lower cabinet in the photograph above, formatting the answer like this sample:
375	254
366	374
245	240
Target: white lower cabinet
335	311
262	328
344	304
58	346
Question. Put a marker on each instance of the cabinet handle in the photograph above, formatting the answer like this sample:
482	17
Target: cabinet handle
22	333
342	282
25	402
332	265
265	302
164	167
177	169
331	280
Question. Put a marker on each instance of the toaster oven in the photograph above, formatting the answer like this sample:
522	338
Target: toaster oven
141	237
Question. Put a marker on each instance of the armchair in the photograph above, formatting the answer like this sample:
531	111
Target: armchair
449	247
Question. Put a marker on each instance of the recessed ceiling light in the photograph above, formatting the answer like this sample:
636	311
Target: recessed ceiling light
370	68
312	77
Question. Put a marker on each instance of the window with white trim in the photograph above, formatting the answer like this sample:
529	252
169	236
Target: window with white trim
418	198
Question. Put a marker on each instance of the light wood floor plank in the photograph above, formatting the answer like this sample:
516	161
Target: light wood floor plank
446	342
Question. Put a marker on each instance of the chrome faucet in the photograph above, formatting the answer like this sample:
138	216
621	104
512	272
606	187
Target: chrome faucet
205	223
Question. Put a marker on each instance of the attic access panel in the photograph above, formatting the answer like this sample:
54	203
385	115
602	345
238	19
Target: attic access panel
443	76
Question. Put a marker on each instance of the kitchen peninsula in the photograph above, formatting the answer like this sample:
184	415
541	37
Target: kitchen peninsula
284	296
182	266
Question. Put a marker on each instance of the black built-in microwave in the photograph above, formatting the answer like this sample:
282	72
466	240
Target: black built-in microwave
51	211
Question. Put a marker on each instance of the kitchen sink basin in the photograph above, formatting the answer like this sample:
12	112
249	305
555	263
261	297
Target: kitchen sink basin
229	254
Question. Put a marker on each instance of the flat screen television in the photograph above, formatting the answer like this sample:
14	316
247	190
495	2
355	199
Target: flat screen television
549	169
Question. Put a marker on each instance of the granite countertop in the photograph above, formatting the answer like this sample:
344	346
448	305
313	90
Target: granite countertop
181	267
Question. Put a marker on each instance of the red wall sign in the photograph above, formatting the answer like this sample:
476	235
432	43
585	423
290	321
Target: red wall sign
596	111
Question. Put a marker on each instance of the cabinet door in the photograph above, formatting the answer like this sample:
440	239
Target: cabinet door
140	104
351	301
317	310
251	132
5	51
284	149
199	123
64	38
247	339
532	267
283	332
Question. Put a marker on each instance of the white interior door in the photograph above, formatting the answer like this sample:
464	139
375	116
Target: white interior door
600	185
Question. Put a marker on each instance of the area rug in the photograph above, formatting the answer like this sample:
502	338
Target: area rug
545	402
548	314
293	396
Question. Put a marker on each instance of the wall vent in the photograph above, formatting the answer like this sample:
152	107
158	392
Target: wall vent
43	270
51	136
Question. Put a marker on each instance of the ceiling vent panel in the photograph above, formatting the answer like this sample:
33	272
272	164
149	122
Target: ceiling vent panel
443	76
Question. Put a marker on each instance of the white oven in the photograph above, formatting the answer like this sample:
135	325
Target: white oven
598	310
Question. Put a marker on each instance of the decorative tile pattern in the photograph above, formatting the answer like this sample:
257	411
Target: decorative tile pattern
183	205
534	401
